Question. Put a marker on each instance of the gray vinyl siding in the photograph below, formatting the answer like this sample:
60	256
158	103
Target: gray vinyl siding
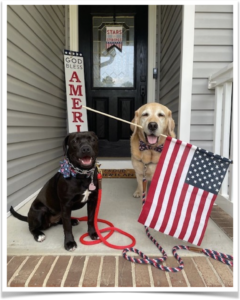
36	99
213	50
170	57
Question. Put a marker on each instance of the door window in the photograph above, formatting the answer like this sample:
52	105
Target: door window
113	68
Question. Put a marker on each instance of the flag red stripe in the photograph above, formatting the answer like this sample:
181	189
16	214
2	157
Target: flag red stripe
188	213
147	206
179	210
175	184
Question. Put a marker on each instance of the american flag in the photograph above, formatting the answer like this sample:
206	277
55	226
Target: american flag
183	189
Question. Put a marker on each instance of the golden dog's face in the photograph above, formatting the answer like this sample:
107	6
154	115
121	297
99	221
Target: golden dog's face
155	119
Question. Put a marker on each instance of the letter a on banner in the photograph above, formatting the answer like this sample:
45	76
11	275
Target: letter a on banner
75	90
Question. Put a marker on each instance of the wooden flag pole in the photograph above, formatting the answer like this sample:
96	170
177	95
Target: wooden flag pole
99	112
110	116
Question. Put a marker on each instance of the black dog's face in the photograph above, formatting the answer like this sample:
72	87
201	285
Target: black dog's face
81	149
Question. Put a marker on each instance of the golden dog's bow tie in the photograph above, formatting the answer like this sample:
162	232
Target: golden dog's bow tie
143	146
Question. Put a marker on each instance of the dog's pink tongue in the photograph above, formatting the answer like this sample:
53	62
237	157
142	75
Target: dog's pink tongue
86	160
152	139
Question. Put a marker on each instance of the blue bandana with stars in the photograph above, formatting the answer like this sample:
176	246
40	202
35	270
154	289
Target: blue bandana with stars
66	169
207	170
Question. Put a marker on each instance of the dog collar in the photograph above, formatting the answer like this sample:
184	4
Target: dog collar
143	146
67	169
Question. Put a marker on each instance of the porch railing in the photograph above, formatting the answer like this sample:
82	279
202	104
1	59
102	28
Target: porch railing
222	82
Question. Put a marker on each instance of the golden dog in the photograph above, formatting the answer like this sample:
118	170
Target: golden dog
147	143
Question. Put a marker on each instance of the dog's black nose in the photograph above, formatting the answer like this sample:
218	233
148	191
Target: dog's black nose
85	149
152	126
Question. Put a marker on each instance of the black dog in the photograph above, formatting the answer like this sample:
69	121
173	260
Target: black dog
71	188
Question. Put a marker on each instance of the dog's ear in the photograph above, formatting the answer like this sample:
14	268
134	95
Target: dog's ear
65	145
171	125
135	120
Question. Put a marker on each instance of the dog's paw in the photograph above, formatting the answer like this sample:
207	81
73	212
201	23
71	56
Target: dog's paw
40	238
94	236
74	222
137	194
70	246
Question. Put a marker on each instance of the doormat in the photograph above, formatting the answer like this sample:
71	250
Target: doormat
122	173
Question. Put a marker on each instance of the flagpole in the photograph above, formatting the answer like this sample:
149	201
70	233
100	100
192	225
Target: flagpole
110	116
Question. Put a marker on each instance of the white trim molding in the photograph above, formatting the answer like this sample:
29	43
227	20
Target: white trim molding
220	77
186	72
73	27
152	40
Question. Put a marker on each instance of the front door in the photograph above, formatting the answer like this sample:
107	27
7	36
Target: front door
116	80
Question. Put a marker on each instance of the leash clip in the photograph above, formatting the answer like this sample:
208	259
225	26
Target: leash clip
98	168
195	249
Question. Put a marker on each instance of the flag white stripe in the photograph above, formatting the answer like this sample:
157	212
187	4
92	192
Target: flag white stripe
203	218
169	186
193	214
179	190
160	182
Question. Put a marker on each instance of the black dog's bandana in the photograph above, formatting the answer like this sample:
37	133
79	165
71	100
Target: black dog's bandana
143	146
67	170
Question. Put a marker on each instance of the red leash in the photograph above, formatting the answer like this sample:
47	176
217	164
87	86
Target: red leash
111	227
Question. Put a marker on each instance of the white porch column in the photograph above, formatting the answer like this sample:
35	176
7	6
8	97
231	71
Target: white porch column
227	95
186	73
218	119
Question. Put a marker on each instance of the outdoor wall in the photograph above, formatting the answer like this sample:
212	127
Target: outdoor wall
213	50
170	18
36	101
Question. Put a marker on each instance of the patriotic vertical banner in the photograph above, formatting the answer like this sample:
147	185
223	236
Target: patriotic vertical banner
114	37
75	90
183	189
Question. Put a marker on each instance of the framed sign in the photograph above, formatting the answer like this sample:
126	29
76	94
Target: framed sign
75	90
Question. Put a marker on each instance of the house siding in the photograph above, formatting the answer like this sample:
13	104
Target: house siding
213	50
36	99
170	57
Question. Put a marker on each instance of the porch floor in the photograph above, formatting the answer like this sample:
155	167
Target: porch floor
49	264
